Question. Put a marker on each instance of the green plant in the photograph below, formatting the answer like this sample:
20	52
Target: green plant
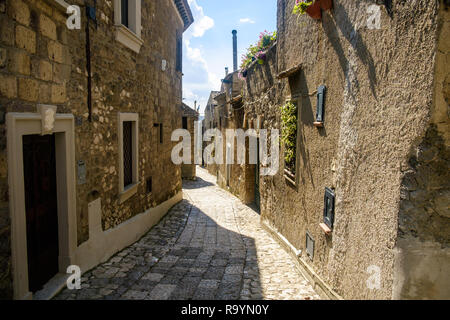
301	6
289	133
256	51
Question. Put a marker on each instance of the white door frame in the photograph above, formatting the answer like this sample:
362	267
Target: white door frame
62	125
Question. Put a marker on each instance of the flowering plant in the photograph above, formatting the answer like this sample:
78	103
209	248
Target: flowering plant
257	51
301	6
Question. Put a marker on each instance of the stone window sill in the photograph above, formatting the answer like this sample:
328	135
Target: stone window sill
128	192
325	228
128	38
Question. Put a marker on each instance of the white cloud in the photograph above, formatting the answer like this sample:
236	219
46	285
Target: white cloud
201	23
246	20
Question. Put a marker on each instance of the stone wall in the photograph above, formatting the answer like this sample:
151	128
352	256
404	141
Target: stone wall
43	62
386	122
378	101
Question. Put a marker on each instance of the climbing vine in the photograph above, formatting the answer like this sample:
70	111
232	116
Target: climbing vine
289	133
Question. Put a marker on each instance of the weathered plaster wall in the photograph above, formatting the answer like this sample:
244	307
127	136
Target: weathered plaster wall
43	62
422	256
378	102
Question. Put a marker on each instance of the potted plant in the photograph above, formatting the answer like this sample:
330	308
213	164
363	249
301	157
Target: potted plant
326	4
314	11
309	7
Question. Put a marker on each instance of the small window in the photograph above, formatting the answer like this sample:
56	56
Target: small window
179	64
320	111
161	133
328	209
310	246
289	118
185	123
127	19
128	155
149	185
124	13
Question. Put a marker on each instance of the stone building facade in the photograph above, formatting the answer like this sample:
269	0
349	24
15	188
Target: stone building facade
106	97
379	155
189	117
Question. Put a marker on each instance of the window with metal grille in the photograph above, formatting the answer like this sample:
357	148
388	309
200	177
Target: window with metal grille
124	13
127	153
185	123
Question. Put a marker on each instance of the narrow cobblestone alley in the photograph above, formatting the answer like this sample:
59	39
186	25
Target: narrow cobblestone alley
209	246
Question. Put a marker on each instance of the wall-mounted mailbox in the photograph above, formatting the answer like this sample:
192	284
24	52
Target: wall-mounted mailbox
320	112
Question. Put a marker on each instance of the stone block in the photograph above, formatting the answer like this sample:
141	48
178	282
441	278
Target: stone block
45	92
45	70
2	57
8	86
20	12
59	93
61	73
26	39
44	7
47	27
55	51
7	34
19	62
28	89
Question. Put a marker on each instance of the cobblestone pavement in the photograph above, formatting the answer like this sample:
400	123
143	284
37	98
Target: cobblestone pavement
209	246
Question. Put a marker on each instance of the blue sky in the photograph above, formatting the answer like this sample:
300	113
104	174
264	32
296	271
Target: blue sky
208	46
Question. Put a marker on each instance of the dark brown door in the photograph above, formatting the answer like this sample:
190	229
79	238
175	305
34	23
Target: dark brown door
39	167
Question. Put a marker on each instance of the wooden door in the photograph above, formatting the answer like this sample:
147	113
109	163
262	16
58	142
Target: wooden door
41	209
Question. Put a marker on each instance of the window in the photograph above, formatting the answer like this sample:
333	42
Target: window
127	19
128	155
320	112
328	209
310	246
289	119
124	12
179	64
161	133
185	123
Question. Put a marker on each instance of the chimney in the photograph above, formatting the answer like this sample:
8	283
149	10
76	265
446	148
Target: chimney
234	32
226	71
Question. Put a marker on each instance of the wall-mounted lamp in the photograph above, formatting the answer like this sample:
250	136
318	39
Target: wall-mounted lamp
320	112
